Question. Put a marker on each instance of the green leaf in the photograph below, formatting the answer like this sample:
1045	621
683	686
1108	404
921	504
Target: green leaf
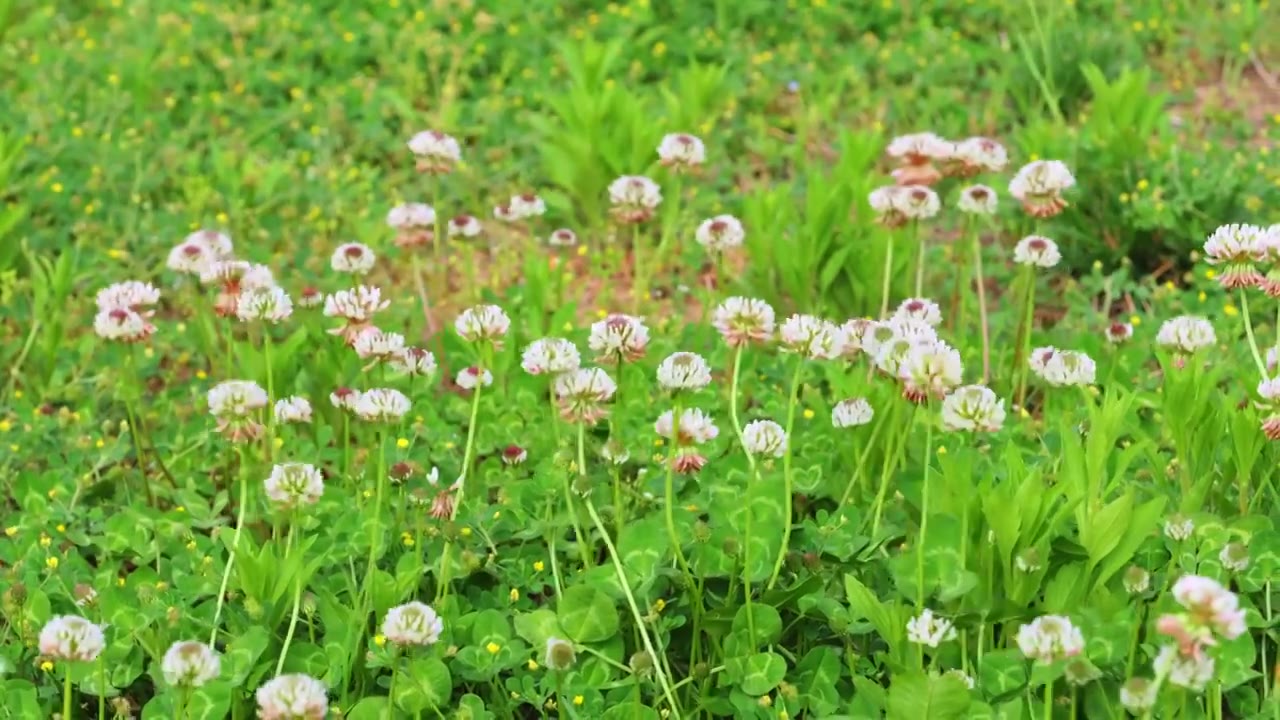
1101	532
370	708
587	614
764	618
425	684
916	696
471	707
243	653
1003	673
762	672
630	711
817	675
864	604
535	627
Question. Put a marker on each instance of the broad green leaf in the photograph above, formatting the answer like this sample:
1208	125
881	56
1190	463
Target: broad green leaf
762	673
764	619
916	696
424	685
587	614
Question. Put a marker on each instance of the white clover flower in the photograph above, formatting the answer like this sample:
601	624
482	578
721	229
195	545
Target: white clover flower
271	305
852	413
582	392
876	334
293	409
1050	638
891	355
564	237
1036	251
978	200
916	202
1063	368
912	329
720	233
505	213
930	370
381	404
357	307
1136	580
1186	334
466	226
978	155
920	148
71	638
1234	557
353	258
237	275
1179	527
190	257
961	676
550	355
1119	332
469	378
1138	695
292	697
437	152
1237	247
344	398
527	205
483	323
695	427
929	629
218	243
634	198
1210	603
413	623
764	437
922	309
972	408
855	330
190	664
742	320
615	452
812	337
1192	671
377	345
127	295
559	654
684	371
122	325
884	203
1039	186
414	361
618	336
236	398
681	151
409	217
310	297
293	484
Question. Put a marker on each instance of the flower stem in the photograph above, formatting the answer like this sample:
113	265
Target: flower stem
1023	351
235	545
293	622
579	536
391	687
922	243
66	692
135	427
924	514
982	307
857	471
888	275
639	284
467	453
786	474
746	554
1048	700
1248	331
269	445
670	495
623	582
733	405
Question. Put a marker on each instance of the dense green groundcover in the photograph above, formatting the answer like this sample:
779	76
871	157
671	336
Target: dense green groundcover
1039	485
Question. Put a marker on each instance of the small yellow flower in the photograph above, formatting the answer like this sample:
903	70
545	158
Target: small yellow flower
657	442
402	443
1231	310
379	640
5	426
808	413
1135	320
61	528
568	327
162	586
201	375
46	666
278	442
368	493
13	530
532	664
493	648
538	565
1210	274
448	445
465	532
578	699
659	605
942	449
514	594
52	562
1202	297
45	540
180	509
582	251
407	540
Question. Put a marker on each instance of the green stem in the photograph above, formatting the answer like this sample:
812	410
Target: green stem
746	554
733	405
888	275
66	691
639	282
391	687
625	584
293	621
922	243
235	545
1248	331
271	392
924	513
857	470
445	569
982	307
786	474
135	427
886	469
1023	352
1048	701
578	534
670	495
